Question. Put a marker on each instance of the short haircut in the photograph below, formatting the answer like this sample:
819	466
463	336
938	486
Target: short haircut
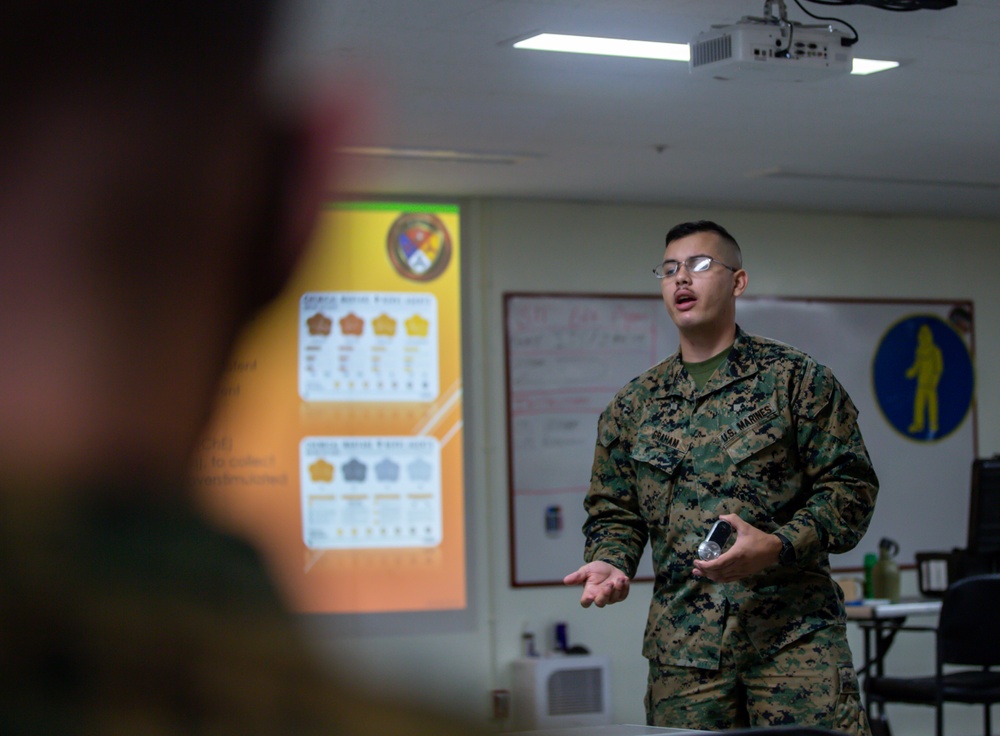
705	226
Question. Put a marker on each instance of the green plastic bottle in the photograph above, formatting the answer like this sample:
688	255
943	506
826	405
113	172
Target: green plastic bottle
870	559
885	574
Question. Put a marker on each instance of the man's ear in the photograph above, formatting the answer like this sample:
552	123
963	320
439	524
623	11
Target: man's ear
740	281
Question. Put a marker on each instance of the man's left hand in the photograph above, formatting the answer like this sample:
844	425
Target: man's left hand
752	552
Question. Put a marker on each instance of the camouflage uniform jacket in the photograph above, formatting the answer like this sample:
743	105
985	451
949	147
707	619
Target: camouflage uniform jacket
772	437
126	612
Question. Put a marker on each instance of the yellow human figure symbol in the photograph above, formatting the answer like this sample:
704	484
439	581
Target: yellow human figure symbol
928	365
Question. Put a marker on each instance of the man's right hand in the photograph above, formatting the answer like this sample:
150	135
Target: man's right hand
603	583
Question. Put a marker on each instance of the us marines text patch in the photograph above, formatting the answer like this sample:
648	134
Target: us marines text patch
745	423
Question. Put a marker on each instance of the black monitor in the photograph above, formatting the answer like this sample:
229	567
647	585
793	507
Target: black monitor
984	508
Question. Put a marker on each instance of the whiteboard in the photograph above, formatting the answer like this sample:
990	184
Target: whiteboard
568	354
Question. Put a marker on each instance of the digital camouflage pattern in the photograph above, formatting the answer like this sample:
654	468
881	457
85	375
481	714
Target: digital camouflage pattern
811	682
772	437
126	612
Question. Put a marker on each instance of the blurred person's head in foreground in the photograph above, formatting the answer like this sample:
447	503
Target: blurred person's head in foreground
156	189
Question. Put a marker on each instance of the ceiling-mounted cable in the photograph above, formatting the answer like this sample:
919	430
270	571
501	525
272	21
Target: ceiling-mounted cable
847	41
898	6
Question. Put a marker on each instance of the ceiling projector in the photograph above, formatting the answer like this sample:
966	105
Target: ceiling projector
768	49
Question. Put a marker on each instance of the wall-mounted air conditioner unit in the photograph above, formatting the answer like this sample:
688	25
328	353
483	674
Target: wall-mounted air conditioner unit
561	691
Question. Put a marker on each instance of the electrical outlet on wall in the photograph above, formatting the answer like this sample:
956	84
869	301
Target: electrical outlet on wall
501	704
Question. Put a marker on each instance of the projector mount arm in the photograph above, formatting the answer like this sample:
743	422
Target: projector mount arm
787	27
781	21
782	11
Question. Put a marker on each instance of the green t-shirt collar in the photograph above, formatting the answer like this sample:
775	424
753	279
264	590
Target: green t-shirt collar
703	370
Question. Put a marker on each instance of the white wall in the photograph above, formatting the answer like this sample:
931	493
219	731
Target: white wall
575	247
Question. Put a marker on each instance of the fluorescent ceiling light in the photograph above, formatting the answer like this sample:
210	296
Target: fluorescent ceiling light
606	47
870	66
780	173
648	50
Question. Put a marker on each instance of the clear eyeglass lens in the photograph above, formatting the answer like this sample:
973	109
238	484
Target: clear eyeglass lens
696	264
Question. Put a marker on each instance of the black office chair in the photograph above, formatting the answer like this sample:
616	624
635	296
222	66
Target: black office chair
966	636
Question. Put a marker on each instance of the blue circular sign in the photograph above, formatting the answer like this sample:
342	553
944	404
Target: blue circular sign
923	378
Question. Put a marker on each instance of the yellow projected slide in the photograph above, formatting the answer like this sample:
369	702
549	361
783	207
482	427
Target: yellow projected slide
337	443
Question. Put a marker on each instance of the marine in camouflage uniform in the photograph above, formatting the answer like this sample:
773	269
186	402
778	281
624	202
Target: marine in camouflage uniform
771	437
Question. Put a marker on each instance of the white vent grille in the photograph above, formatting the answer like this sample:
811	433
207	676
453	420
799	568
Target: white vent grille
712	50
561	692
576	691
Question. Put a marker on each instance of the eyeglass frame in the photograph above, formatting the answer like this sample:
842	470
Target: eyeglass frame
688	267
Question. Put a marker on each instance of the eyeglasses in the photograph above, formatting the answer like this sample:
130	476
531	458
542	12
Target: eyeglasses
694	264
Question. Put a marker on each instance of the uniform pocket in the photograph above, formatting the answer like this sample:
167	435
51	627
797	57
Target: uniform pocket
752	433
657	457
849	715
662	450
761	446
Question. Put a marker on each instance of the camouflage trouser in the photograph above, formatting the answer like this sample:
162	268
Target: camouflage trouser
811	682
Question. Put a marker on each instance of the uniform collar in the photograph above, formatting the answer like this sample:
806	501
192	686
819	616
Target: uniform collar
739	364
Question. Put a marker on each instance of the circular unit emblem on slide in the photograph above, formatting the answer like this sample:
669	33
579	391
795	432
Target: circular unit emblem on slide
419	246
923	378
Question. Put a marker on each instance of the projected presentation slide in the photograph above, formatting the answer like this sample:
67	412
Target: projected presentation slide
337	443
363	492
360	346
